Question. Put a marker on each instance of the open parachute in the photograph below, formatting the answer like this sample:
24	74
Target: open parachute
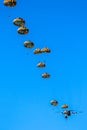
45	75
19	21
64	106
54	102
45	49
37	51
23	30
28	44
10	3
41	64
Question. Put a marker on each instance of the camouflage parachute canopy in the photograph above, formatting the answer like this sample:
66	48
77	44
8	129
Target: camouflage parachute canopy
10	3
54	102
28	44
64	106
37	51
19	21
23	30
45	49
41	64
45	75
66	112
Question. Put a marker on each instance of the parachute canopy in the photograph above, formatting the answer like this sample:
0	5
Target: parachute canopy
37	51
66	112
28	44
45	75
45	49
23	30
54	102
41	64
10	3
64	106
19	21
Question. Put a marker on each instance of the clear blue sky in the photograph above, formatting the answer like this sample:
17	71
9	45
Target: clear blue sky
24	95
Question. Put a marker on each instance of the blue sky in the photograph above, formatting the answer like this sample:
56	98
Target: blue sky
24	95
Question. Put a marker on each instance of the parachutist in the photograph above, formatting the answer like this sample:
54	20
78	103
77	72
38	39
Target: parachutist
66	116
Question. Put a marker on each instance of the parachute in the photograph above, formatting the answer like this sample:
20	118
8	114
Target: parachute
28	44
45	75
37	51
10	3
64	106
54	102
45	49
23	30
19	21
41	64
